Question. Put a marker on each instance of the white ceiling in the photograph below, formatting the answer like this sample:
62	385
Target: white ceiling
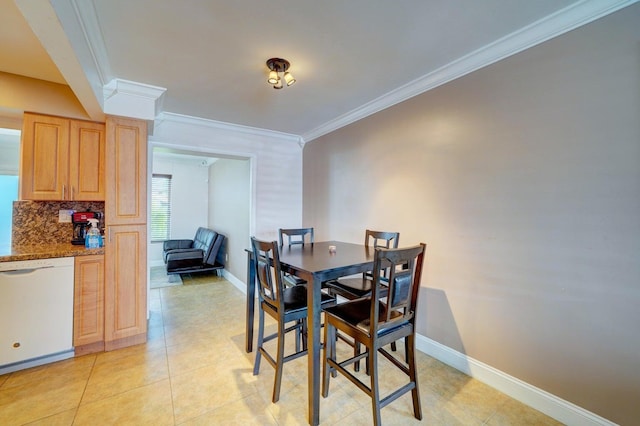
350	57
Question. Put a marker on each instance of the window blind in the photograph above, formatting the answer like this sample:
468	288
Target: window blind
160	207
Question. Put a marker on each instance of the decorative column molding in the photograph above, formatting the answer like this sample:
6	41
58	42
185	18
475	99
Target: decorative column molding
132	99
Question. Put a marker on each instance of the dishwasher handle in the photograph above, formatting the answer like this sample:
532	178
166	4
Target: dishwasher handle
23	271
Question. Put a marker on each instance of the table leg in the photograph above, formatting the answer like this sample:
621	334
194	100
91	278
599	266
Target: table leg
251	295
313	355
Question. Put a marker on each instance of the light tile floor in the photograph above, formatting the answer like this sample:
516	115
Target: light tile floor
194	371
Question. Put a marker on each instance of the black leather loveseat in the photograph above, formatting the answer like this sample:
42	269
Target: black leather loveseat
203	253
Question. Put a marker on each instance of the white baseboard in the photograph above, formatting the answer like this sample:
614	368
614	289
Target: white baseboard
239	284
557	408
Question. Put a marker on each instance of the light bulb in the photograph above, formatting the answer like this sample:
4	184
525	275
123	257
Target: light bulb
273	77
288	78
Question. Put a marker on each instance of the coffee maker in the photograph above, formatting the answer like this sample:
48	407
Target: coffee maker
80	222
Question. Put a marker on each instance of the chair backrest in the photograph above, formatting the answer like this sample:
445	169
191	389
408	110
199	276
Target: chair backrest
295	235
204	238
380	239
403	284
266	261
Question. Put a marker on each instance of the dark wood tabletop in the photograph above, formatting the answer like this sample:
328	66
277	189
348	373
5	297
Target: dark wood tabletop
315	258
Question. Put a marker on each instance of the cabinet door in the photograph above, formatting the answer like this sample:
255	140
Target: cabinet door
86	161
125	286
126	171
44	158
88	304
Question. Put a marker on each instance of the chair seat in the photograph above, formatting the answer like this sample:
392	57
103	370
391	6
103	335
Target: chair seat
357	313
293	280
350	288
295	298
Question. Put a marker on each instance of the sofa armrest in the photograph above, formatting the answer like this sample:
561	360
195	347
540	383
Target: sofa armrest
184	259
214	252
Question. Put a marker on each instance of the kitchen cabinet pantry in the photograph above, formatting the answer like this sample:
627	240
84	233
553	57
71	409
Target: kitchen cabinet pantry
126	232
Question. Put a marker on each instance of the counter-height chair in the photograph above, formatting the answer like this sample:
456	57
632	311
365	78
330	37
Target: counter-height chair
294	236
287	305
355	287
359	286
387	315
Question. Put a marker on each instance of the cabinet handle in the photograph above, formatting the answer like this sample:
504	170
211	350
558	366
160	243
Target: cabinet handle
71	193
63	191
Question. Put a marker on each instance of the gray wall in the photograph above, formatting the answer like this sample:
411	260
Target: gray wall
229	196
523	179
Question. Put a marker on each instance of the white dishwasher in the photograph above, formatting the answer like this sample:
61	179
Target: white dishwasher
36	312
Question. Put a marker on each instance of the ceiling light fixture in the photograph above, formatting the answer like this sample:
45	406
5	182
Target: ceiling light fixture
279	71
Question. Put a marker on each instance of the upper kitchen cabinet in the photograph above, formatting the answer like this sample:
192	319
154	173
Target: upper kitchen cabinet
126	171
87	161
62	159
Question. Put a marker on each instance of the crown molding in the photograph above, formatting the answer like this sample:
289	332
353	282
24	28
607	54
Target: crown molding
80	22
551	26
169	117
87	19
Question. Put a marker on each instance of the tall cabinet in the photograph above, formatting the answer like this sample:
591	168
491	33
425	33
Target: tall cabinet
126	233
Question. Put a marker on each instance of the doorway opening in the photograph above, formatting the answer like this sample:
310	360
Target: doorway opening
207	190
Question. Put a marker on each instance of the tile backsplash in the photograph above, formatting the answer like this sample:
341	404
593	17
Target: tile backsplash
36	222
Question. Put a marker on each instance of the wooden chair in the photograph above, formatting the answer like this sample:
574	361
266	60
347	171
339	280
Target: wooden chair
356	287
294	236
378	320
284	304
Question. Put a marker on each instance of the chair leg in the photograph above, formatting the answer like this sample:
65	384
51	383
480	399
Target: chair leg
413	376
329	353
393	346
279	362
304	334
406	349
372	363
356	352
298	335
256	365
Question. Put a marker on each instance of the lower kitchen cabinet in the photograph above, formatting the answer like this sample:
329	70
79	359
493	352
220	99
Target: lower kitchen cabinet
126	286
88	305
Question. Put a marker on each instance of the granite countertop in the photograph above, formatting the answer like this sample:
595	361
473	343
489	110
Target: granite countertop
46	251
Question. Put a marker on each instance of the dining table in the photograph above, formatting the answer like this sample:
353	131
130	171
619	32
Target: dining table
315	263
